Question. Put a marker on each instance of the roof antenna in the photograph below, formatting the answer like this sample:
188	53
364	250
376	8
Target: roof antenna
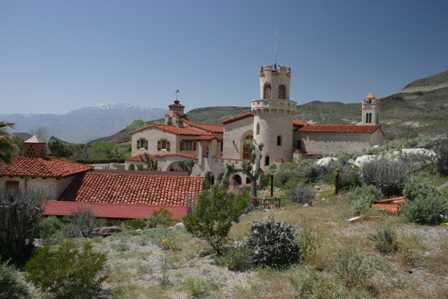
276	45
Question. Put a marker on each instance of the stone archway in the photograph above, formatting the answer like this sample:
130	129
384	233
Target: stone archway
236	180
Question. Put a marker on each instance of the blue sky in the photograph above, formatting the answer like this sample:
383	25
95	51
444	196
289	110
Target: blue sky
60	55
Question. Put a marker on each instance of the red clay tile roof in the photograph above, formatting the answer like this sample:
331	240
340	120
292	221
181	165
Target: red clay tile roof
237	117
42	167
130	188
140	158
343	129
188	131
391	206
299	122
111	211
219	129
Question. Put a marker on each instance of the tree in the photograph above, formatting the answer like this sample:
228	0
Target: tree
212	217
68	271
251	168
11	286
58	148
7	147
19	218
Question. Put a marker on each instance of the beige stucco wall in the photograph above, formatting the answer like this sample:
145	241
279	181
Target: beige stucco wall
233	136
153	136
49	188
330	144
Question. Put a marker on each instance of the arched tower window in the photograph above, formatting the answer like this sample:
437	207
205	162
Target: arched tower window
247	147
368	118
163	145
267	91
282	92
279	140
258	129
267	161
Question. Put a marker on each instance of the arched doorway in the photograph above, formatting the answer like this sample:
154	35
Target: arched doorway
209	180
237	180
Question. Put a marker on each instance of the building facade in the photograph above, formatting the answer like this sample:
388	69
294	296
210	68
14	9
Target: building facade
272	122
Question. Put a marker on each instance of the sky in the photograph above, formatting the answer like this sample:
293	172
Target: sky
56	56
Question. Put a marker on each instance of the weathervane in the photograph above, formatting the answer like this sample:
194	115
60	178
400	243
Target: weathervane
177	94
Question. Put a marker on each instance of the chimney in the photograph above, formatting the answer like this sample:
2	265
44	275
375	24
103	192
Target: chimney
34	148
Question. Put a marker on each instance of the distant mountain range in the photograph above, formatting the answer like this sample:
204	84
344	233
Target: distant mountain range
419	109
85	124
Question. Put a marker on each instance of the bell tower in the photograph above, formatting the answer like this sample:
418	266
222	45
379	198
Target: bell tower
273	115
370	113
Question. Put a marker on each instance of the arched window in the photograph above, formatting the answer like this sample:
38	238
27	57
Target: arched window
142	143
267	91
236	180
282	92
188	145
132	167
247	147
368	118
267	161
279	140
258	129
248	181
163	145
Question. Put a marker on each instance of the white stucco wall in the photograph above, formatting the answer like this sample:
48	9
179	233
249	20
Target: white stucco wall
233	135
330	144
153	136
49	188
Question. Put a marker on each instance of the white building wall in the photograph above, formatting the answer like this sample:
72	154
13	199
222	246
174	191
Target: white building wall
153	136
234	134
49	188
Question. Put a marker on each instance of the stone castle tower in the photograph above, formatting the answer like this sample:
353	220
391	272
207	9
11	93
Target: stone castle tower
175	114
273	115
370	113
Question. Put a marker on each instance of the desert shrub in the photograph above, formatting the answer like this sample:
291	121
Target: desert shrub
11	287
353	268
160	218
425	204
385	240
197	287
388	176
50	226
429	209
136	224
301	194
442	160
168	243
19	225
310	283
346	178
290	174
82	224
273	244
236	258
308	243
213	215
67	271
362	198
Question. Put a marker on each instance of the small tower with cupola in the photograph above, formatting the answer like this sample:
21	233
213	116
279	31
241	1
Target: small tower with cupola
273	115
370	113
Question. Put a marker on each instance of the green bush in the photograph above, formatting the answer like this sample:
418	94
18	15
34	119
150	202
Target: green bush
388	176
442	160
273	244
50	226
213	215
68	272
197	287
385	240
236	258
362	198
136	224
310	283
346	178
160	218
11	287
308	243
352	268
302	194
82	223
425	204
19	223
